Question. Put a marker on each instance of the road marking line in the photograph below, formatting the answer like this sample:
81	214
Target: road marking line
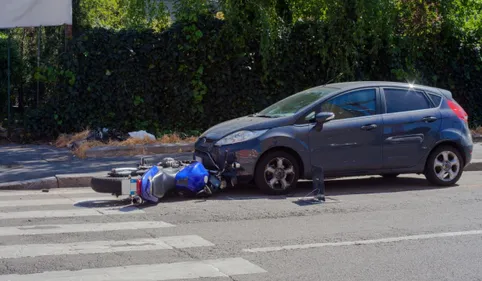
100	247
166	271
8	193
80	212
78	228
364	242
53	201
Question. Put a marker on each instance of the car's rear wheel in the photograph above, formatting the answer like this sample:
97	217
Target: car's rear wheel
277	173
444	166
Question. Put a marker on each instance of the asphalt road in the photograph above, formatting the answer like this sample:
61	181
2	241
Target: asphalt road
369	229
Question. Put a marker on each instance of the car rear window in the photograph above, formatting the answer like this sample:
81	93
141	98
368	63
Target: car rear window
401	100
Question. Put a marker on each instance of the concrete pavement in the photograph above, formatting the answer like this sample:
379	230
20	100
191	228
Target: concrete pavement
369	229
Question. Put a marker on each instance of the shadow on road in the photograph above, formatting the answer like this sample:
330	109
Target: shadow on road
348	186
104	203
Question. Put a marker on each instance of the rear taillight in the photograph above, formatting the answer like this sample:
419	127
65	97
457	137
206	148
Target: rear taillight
458	110
138	186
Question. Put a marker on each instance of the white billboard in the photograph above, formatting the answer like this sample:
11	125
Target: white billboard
30	13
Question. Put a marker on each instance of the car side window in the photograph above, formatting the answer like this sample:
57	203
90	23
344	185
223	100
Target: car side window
354	104
401	100
436	99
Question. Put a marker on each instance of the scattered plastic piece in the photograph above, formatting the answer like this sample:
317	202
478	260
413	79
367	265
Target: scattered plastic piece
141	135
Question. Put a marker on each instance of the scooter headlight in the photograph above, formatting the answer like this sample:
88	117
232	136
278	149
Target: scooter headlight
240	136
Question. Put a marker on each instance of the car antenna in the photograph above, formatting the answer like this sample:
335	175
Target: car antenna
334	78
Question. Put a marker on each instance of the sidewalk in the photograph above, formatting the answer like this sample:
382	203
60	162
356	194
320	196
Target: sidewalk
37	167
33	162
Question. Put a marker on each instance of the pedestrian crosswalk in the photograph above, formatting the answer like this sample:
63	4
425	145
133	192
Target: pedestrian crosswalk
52	247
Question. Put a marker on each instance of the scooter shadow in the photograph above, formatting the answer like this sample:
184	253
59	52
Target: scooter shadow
124	203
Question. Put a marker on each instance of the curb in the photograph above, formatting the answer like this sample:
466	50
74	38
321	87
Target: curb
35	184
83	180
76	180
58	181
113	151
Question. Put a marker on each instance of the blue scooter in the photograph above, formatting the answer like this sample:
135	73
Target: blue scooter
151	183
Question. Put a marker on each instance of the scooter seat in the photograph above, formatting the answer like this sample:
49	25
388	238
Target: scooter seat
164	181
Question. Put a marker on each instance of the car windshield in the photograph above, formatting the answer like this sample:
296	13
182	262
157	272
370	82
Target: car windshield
294	103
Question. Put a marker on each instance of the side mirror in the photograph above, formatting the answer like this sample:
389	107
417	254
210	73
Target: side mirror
324	117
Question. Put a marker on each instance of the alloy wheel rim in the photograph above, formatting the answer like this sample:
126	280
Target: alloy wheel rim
446	166
279	173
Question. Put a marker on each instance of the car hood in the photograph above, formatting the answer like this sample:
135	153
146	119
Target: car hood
250	122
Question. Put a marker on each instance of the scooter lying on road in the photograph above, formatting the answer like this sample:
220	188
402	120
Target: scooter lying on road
150	183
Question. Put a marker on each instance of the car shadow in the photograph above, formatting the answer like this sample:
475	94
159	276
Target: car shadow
334	187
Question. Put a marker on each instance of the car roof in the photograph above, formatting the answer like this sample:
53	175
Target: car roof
343	86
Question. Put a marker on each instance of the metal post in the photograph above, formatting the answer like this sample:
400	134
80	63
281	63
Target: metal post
38	60
8	80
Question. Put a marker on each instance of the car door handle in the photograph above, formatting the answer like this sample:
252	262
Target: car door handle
429	119
369	127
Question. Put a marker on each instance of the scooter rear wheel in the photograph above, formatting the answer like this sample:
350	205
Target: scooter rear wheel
107	185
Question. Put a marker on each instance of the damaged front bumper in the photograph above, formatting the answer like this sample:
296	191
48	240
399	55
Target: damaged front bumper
242	156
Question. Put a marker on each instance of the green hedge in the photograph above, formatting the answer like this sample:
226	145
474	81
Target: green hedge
195	75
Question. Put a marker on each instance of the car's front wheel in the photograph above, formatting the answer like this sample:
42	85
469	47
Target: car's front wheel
444	166
277	173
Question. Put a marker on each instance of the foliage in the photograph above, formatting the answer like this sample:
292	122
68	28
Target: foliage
220	61
120	14
14	66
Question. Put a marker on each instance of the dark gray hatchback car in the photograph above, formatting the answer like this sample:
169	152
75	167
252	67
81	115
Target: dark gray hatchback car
350	129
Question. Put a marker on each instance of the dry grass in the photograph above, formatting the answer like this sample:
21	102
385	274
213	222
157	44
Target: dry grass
478	130
175	138
82	149
66	140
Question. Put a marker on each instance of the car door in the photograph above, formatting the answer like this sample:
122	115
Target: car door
351	141
410	126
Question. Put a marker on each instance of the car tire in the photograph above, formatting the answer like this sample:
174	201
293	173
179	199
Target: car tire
107	185
445	160
390	176
268	168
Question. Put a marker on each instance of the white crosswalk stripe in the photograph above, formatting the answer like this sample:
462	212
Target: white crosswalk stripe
79	212
54	201
167	271
97	247
60	242
80	228
67	191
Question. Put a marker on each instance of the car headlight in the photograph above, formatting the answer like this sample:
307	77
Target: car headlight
240	137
